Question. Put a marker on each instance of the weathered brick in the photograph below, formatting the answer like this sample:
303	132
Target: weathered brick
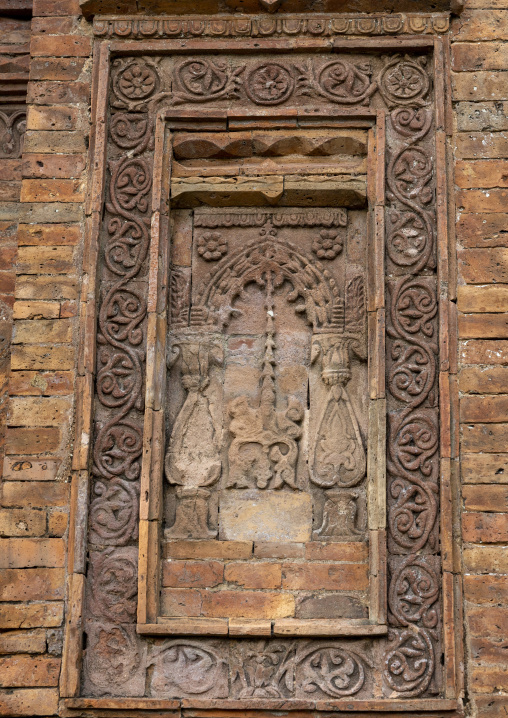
353	552
43	331
61	46
180	602
484	468
492	622
54	141
254	575
22	522
31	615
46	287
493	706
56	93
36	310
485	528
475	145
11	170
48	234
46	260
481	173
326	576
35	493
488	650
274	549
484	409
484	380
490	438
32	383
56	7
200	574
52	190
64	69
29	702
491	200
473	326
57	523
484	24
32	584
50	212
52	25
47	166
39	411
489	679
19	440
247	604
209	549
489	590
23	641
480	86
42	357
31	552
52	118
486	559
482	299
27	671
467	56
484	266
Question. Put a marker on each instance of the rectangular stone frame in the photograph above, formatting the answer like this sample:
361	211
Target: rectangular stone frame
70	678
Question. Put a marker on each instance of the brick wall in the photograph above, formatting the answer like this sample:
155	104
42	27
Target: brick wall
480	92
38	438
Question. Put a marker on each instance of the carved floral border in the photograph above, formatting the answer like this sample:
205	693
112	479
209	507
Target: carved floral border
411	656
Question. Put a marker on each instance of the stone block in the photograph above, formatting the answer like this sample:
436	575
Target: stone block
266	516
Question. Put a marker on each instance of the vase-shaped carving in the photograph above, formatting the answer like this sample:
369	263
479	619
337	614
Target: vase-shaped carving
338	457
339	516
193	460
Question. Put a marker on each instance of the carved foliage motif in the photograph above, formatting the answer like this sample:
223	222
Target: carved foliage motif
12	129
413	430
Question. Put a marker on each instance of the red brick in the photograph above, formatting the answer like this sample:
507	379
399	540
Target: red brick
42	357
180	602
32	383
56	7
29	702
22	522
489	679
485	298
35	493
38	411
477	86
26	671
491	590
326	576
32	584
49	234
42	331
31	615
490	326
485	498
480	24
23	641
482	173
484	409
476	200
200	574
64	69
52	25
468	56
47	166
274	549
488	650
477	145
61	46
247	604
19	440
484	468
57	523
493	706
52	190
31	552
254	575
55	93
485	528
36	310
486	559
52	118
46	287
